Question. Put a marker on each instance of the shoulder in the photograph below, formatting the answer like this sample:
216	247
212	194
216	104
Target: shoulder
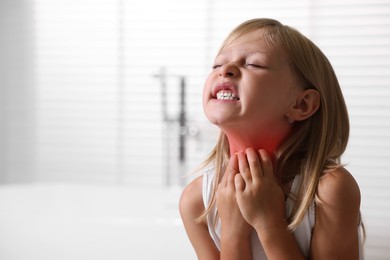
339	190
191	200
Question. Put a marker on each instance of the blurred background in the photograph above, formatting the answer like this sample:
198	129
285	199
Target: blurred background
101	116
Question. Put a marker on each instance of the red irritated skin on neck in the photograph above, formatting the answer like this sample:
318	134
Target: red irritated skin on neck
238	143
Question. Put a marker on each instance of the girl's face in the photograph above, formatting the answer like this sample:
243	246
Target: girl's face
251	87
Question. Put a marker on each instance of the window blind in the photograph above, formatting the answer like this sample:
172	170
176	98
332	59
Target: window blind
356	38
76	79
99	102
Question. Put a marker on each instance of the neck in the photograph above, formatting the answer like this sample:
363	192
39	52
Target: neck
240	141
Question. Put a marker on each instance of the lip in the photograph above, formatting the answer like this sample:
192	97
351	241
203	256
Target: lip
225	86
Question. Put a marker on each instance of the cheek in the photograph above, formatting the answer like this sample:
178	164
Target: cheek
262	99
268	108
271	98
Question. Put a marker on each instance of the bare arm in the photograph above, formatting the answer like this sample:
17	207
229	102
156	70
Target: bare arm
191	207
335	234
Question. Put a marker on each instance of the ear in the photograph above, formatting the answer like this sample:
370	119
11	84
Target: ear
306	104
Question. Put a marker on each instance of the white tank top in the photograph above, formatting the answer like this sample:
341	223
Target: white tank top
302	233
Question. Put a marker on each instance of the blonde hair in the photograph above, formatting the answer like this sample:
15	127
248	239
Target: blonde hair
314	145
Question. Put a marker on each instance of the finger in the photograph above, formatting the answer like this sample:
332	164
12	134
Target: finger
254	163
266	163
231	169
239	183
230	181
243	167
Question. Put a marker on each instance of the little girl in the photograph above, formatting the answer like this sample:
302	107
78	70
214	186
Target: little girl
274	187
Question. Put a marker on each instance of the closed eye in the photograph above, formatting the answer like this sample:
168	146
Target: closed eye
255	65
216	66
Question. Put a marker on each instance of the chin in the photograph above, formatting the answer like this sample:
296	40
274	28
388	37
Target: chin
220	116
216	120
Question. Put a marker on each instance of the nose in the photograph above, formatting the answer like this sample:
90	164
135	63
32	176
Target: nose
229	70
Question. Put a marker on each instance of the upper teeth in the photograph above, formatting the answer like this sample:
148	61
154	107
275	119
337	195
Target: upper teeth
225	95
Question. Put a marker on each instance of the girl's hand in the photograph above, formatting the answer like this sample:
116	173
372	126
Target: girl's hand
233	224
259	196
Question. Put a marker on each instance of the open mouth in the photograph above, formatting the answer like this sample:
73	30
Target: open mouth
226	91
